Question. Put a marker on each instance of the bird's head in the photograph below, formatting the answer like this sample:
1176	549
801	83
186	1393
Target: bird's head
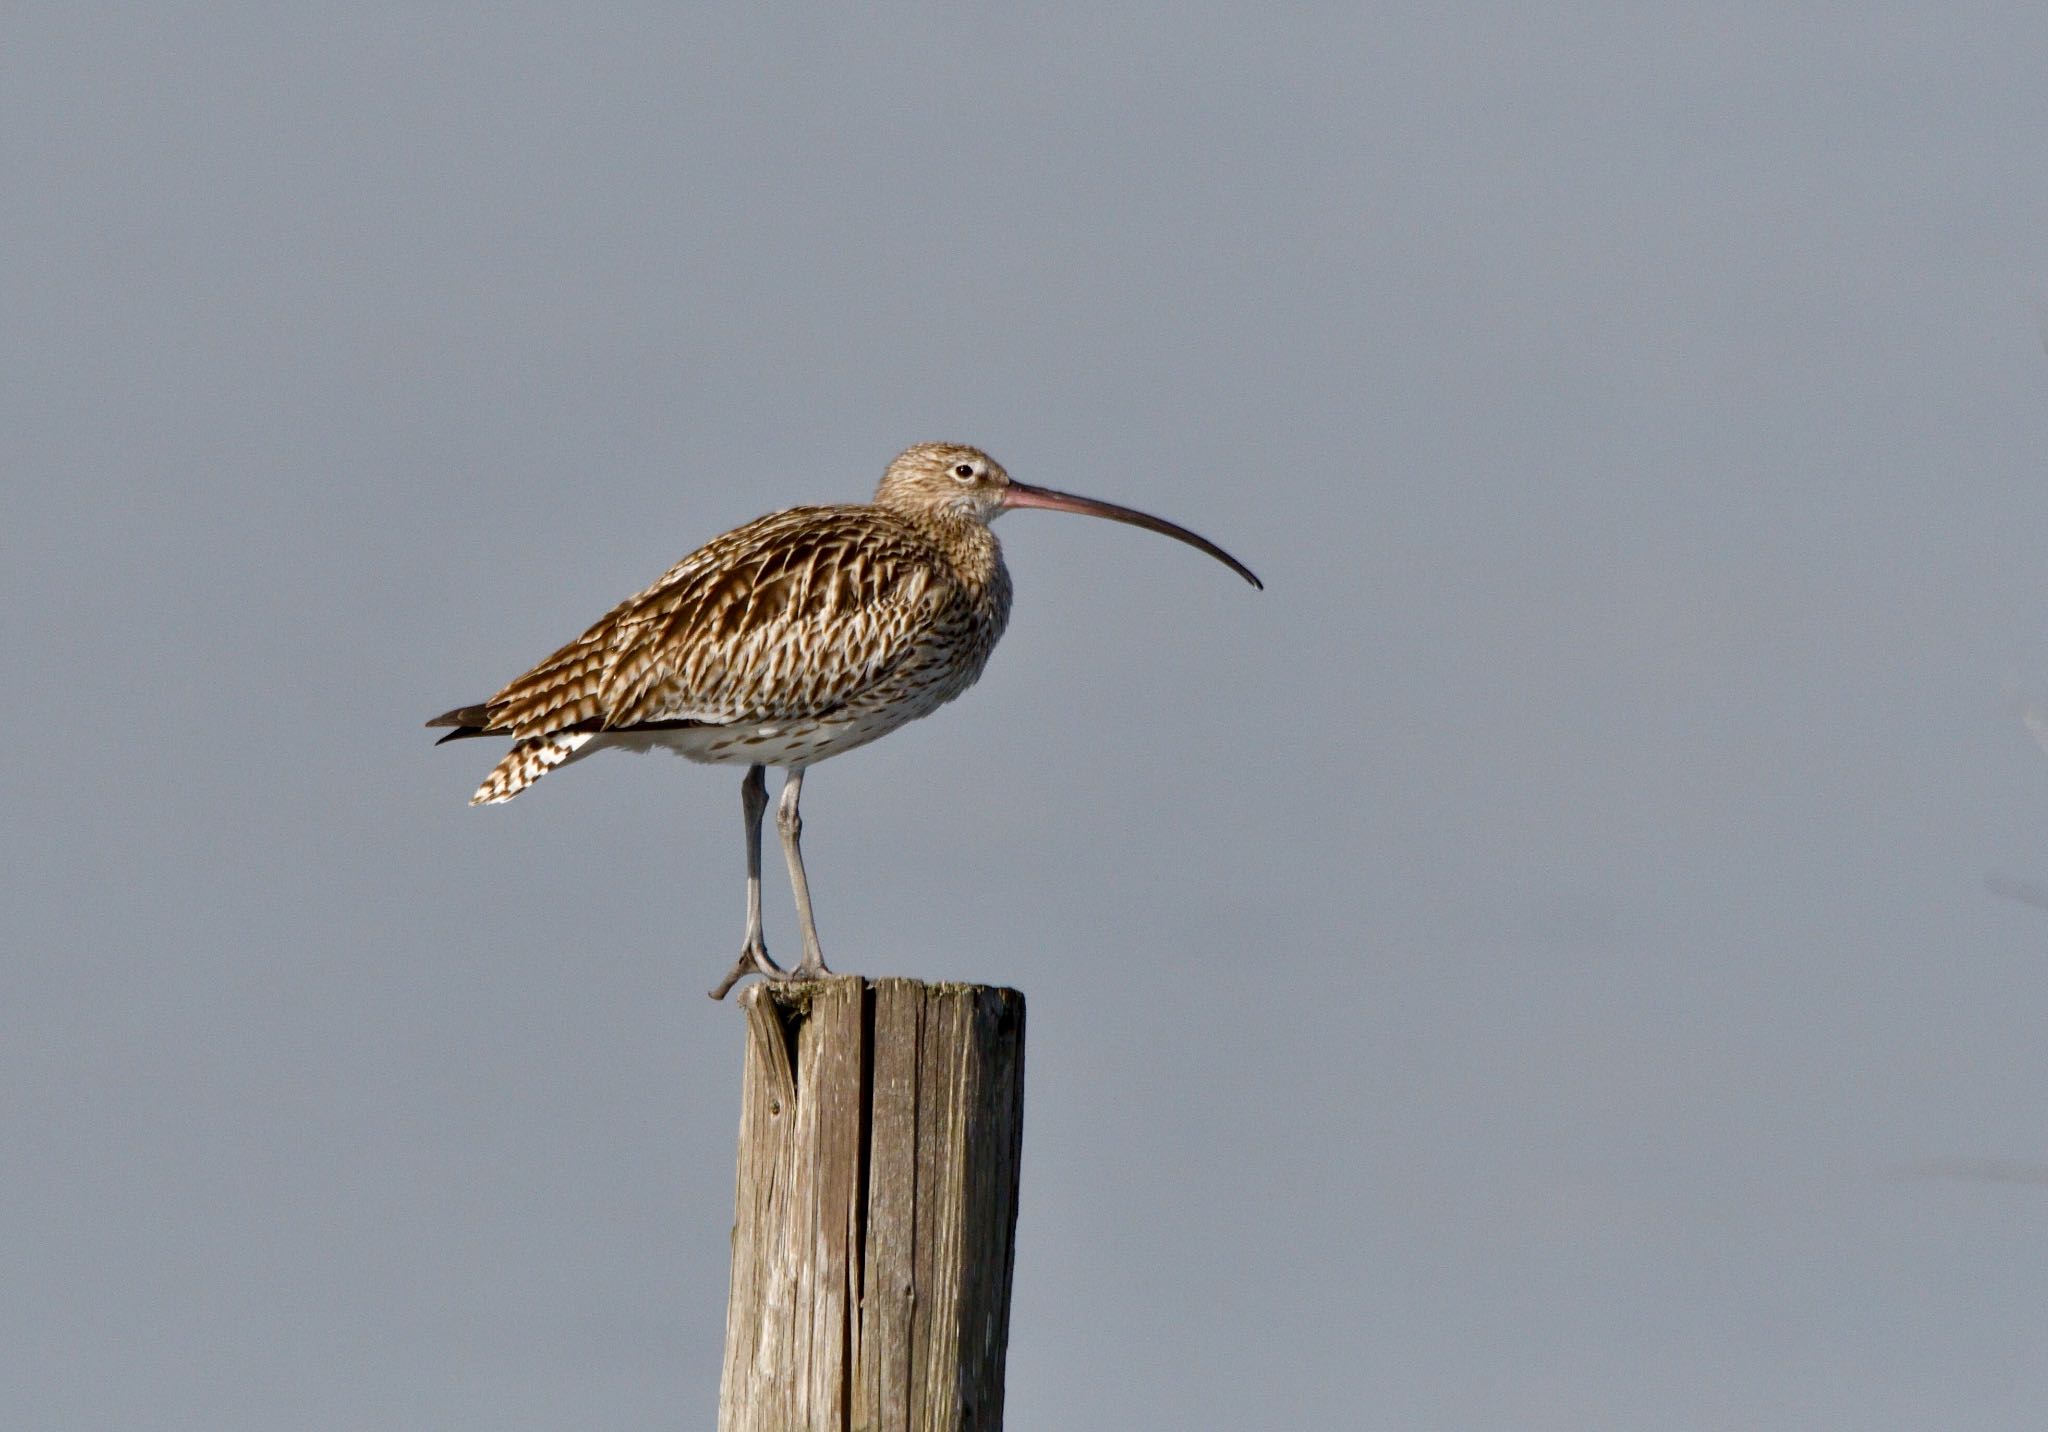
944	478
952	479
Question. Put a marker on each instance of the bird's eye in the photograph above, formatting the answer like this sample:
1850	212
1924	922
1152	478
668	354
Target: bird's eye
965	472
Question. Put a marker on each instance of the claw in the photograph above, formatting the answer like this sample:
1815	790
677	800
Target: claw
812	967
753	960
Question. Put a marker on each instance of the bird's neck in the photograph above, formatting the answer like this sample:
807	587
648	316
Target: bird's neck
969	547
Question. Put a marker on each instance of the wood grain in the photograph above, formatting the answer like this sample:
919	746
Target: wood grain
876	1205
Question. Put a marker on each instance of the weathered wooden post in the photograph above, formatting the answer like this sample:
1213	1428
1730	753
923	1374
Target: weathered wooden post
875	1218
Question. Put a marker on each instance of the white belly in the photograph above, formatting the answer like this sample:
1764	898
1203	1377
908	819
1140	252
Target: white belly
799	741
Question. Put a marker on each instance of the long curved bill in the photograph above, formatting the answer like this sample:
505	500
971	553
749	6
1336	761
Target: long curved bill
1023	494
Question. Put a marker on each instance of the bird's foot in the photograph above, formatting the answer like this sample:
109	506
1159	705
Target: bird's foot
811	967
753	960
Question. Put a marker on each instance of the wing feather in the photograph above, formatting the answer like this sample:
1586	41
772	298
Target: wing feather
789	616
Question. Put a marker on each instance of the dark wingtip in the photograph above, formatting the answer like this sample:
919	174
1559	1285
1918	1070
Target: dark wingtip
467	721
463	716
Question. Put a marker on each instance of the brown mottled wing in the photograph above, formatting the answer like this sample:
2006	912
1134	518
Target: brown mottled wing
789	616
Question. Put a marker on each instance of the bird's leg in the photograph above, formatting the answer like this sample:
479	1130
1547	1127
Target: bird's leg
754	953
792	827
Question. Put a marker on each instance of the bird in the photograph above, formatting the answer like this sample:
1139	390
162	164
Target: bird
798	636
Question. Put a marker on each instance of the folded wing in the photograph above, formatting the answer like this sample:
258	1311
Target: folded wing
790	616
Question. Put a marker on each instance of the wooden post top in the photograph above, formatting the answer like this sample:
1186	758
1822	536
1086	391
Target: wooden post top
875	1209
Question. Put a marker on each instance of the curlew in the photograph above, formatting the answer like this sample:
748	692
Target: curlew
803	634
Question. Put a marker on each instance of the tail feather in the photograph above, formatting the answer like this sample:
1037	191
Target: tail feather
527	762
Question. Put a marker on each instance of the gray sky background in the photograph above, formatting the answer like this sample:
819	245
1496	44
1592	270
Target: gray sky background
1532	967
